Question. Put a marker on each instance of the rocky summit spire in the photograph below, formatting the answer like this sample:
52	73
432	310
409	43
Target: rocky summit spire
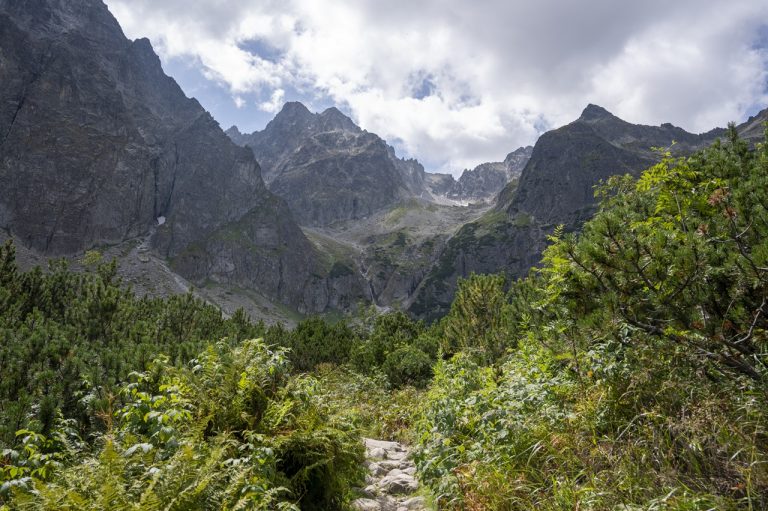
595	112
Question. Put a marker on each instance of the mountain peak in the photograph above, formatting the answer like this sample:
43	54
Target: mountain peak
333	118
523	151
233	131
333	111
594	113
294	109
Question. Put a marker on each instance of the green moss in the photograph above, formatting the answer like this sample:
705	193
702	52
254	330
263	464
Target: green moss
492	218
522	220
400	239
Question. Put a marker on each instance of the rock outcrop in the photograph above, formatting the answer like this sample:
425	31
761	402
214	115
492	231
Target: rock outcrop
557	186
440	184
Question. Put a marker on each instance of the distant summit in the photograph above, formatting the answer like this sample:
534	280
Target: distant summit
327	168
595	112
484	182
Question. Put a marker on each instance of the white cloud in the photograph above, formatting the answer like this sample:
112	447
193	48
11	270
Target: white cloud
239	102
458	82
275	102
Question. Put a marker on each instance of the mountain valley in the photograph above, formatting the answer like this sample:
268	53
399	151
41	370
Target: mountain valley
301	319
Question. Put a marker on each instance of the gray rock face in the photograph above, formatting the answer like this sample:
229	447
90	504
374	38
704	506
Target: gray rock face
753	130
338	175
327	168
286	133
97	144
485	181
556	187
493	244
440	184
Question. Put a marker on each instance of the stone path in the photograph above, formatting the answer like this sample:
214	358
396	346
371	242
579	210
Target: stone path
391	481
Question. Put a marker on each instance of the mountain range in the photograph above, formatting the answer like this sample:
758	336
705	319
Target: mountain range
100	149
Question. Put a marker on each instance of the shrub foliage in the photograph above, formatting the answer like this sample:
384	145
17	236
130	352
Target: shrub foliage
638	376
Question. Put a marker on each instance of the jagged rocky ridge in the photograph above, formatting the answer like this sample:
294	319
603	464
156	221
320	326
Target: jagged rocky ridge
328	169
98	145
485	181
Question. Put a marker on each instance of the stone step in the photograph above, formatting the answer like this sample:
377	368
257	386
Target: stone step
391	479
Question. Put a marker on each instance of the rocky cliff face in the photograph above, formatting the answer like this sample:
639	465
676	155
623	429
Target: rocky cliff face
285	134
753	130
485	181
338	175
327	168
440	184
555	187
98	145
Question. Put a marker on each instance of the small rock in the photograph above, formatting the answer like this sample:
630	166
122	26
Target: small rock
410	471
396	455
387	503
377	453
390	464
387	446
414	503
399	484
366	505
376	469
369	492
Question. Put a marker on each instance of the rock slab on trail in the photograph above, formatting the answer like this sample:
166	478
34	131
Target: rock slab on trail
391	480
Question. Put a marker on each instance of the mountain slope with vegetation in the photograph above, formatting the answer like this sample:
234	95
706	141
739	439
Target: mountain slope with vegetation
636	367
555	187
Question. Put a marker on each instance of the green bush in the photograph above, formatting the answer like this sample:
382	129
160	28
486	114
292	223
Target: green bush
400	347
67	340
314	341
369	402
477	321
408	366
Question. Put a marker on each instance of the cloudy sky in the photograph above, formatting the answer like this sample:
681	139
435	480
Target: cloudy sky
459	82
